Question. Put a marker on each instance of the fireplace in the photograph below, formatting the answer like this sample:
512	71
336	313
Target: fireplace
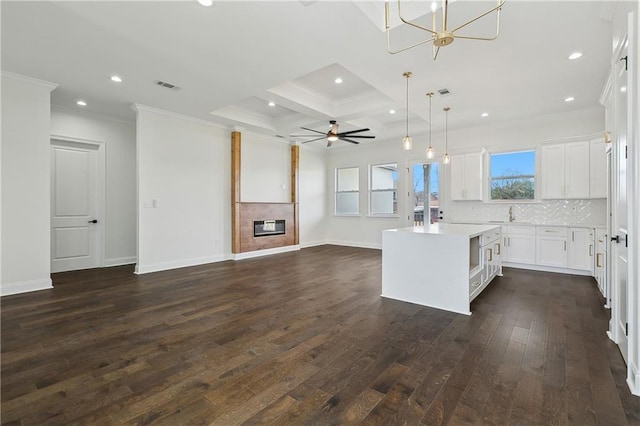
263	228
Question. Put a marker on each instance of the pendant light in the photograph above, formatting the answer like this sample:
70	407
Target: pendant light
407	141
445	158
430	149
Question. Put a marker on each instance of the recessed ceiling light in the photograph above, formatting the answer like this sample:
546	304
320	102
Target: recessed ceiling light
575	55
484	114
392	111
116	78
338	80
434	6
623	89
569	99
81	103
272	104
206	2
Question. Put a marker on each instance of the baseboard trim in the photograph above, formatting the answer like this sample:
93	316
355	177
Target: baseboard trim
546	269
633	379
377	246
118	261
313	244
265	252
175	264
26	286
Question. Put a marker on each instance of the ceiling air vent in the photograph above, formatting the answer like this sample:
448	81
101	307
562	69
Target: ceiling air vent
443	91
167	85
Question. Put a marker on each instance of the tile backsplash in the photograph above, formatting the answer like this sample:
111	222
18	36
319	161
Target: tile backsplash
591	212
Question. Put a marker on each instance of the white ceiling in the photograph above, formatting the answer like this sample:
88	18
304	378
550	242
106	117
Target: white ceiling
231	59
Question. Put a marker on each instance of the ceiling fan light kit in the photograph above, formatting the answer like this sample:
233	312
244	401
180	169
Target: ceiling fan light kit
443	36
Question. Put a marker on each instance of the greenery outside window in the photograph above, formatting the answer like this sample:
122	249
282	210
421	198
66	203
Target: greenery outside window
383	197
348	191
513	175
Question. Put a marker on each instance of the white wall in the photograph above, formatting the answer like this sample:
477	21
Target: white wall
365	231
119	138
184	167
265	170
312	196
26	237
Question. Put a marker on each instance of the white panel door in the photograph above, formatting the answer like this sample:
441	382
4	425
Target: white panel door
620	227
76	228
598	169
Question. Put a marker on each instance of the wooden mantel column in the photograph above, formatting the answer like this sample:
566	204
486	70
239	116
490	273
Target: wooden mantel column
235	191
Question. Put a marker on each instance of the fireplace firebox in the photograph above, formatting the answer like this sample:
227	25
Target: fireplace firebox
263	228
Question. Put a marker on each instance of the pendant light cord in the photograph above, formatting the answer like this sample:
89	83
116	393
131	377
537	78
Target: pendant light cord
407	122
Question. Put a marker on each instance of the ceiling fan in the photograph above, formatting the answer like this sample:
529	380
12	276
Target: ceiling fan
333	135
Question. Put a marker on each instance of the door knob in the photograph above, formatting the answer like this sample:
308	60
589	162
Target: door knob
616	238
93	221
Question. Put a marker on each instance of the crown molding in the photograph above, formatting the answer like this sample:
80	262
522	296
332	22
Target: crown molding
42	83
139	107
91	114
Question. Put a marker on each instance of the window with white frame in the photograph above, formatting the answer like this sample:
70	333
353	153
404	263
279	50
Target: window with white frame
383	197
513	175
348	191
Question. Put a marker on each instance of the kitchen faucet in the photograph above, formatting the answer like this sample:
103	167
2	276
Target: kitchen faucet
511	216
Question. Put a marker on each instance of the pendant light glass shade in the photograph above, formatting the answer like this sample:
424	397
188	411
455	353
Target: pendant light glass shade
407	141
445	158
430	152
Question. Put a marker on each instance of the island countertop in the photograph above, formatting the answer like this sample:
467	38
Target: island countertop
468	230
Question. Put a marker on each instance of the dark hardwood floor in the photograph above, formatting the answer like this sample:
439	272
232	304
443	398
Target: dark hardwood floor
305	338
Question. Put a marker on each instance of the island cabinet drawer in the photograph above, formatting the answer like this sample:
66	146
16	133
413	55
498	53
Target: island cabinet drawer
490	236
475	282
555	231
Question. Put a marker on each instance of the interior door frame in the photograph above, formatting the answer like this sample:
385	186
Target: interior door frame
101	197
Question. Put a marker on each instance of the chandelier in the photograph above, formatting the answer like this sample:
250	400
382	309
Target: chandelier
445	35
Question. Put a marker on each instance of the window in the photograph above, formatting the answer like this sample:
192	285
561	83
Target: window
384	188
347	191
513	175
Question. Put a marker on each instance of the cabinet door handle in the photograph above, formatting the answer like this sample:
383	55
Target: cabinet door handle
565	245
590	249
490	255
497	248
599	260
573	235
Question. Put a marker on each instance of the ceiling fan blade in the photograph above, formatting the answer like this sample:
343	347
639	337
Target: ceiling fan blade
313	140
357	136
354	131
303	136
314	131
349	140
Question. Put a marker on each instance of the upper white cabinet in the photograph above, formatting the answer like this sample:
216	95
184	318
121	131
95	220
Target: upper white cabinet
598	169
565	170
466	177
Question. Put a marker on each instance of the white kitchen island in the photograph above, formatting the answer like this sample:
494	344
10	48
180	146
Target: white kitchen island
443	266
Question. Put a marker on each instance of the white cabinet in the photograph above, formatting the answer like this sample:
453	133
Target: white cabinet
466	177
597	169
519	244
565	170
551	246
580	249
600	261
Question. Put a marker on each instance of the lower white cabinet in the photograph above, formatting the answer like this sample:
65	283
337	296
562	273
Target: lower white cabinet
580	249
600	261
519	244
551	246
